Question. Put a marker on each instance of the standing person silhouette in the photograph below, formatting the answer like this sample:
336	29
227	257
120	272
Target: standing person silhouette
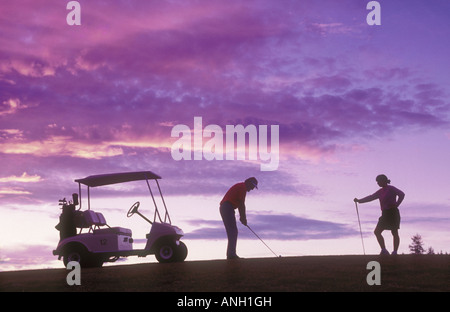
235	199
390	215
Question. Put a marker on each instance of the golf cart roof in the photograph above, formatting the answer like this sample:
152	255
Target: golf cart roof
113	178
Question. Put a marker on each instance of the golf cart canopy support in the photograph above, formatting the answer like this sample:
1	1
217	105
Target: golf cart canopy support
114	178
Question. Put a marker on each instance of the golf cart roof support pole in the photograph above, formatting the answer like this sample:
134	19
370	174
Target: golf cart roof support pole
154	202
79	192
165	207
89	199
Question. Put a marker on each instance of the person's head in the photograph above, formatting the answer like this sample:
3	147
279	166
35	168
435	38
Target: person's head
251	183
382	180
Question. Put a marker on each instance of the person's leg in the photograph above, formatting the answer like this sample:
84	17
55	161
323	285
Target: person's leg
396	240
380	239
229	220
394	229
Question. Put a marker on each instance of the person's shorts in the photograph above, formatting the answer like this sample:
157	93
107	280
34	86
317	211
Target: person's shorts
389	220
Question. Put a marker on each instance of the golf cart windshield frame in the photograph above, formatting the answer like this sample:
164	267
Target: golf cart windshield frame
115	178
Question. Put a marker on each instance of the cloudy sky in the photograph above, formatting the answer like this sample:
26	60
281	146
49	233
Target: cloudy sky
351	101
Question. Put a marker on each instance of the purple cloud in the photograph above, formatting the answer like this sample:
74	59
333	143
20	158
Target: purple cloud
104	97
274	226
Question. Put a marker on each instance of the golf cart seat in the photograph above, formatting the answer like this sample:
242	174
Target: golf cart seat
85	219
94	220
101	221
114	230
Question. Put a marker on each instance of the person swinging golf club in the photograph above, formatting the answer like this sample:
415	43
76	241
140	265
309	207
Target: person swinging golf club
235	199
390	199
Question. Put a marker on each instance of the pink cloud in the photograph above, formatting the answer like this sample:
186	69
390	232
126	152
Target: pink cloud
105	95
24	178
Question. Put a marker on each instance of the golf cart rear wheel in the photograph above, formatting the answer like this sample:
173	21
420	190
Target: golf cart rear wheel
76	253
80	254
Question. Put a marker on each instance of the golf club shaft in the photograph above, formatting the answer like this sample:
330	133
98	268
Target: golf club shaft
261	240
360	231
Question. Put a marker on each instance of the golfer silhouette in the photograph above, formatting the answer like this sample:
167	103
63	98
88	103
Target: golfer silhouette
390	199
235	199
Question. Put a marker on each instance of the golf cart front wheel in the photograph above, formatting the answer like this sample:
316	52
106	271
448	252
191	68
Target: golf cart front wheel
182	252
170	251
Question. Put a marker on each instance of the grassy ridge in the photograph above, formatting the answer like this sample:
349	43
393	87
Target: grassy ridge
291	274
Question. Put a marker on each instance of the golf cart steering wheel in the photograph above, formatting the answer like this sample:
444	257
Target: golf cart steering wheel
133	209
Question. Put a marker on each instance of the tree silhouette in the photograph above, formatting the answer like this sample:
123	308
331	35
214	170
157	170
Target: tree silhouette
416	247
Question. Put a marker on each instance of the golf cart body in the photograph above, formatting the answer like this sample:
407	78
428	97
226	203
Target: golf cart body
86	237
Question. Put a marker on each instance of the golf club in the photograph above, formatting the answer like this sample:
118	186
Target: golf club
360	231
278	256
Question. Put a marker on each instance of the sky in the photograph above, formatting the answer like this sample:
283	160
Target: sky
350	100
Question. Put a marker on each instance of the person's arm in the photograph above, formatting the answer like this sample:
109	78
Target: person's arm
401	196
366	199
242	215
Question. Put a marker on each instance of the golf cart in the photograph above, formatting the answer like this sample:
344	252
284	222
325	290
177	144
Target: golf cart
102	243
